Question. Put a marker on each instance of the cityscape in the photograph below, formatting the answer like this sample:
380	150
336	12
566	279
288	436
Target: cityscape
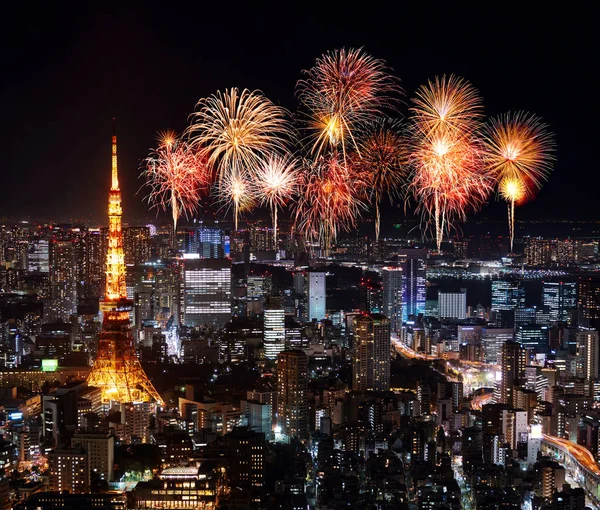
383	293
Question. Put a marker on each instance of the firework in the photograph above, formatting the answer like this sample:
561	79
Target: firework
277	180
237	130
332	196
383	159
344	90
237	190
519	151
176	176
446	155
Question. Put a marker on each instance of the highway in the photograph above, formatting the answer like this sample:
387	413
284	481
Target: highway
479	401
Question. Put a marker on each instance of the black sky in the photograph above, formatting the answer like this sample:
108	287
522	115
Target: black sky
69	68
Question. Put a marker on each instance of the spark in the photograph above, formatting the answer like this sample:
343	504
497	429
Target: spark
237	190
332	197
276	181
342	92
237	130
448	177
177	177
384	159
519	151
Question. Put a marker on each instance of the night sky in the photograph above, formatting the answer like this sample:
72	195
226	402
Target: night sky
69	68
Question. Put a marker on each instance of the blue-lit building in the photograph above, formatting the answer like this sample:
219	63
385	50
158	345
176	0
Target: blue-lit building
208	242
414	276
533	336
507	295
560	298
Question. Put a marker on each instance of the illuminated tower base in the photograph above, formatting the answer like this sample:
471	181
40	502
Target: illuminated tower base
117	370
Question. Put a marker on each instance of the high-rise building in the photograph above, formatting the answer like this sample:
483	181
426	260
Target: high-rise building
371	358
560	298
292	393
136	245
100	448
274	331
63	280
588	347
513	361
316	295
247	464
588	301
38	256
207	242
493	339
414	276
532	336
507	295
69	471
117	370
392	296
206	292
452	305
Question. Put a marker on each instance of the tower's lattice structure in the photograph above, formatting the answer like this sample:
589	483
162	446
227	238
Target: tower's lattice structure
117	369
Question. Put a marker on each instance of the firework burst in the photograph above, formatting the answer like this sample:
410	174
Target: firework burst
237	130
276	181
446	156
384	159
237	191
519	151
176	175
332	196
344	90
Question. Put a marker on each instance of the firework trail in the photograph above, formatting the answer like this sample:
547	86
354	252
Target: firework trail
237	130
519	151
176	175
343	91
332	196
276	181
384	159
237	190
449	177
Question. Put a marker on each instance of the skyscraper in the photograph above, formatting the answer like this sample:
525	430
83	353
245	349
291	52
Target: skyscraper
292	393
452	305
274	331
117	370
392	296
588	300
560	298
414	275
136	245
63	280
513	360
371	358
588	347
316	295
507	295
206	292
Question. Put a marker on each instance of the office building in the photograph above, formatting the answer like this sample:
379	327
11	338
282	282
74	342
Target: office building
63	281
136	245
588	301
274	331
392	296
316	295
292	393
414	277
507	295
513	361
206	292
560	298
100	449
452	305
38	256
534	337
371	358
493	339
69	471
588	347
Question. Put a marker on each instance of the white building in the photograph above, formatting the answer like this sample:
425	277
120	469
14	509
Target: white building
452	305
274	331
316	295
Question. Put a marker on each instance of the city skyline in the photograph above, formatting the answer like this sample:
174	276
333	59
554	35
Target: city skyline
165	99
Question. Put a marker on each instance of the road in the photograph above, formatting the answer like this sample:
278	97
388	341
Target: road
479	401
580	453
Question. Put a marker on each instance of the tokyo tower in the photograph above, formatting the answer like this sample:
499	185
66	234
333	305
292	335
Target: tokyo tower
117	370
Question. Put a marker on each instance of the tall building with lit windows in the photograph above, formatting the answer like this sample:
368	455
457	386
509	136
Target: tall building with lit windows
69	470
63	280
452	305
588	348
136	245
414	276
392	296
560	298
588	301
371	358
292	393
274	331
205	292
316	295
513	360
507	295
